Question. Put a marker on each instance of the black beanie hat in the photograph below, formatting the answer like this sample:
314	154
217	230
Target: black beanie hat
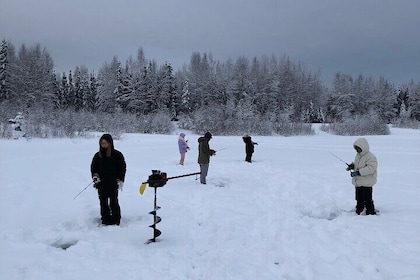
208	135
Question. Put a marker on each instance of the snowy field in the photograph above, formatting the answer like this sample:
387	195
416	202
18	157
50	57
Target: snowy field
288	215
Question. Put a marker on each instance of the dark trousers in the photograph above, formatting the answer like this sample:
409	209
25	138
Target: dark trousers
364	199
248	157
110	209
204	169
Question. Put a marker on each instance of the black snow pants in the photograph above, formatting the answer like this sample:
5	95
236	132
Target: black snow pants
110	208
248	157
364	199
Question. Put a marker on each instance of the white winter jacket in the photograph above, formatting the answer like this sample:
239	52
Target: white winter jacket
366	163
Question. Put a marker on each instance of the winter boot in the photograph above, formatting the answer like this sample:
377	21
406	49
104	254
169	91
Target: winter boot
370	208
360	207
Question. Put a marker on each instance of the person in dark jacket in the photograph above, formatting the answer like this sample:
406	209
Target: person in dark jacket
108	173
204	153
249	147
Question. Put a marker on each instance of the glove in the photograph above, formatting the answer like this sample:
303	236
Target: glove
96	178
120	184
212	152
350	167
354	173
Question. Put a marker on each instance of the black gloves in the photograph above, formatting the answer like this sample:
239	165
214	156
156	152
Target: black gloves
350	167
354	173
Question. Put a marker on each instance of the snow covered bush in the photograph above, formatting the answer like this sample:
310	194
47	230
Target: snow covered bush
159	122
360	125
68	123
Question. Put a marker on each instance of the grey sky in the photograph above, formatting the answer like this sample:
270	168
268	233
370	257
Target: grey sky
371	37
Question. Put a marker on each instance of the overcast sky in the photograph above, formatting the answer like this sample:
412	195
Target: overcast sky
371	37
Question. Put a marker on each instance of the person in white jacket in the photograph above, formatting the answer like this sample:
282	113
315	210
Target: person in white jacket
364	176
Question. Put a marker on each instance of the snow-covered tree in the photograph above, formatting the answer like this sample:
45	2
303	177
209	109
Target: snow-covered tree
108	86
340	98
4	71
34	69
81	88
383	100
92	98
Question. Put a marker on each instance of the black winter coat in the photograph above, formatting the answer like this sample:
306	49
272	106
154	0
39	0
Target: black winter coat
249	145
109	169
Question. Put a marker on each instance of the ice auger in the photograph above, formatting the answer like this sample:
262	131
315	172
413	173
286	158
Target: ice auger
156	180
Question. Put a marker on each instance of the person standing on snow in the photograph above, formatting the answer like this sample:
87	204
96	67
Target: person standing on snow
364	176
183	147
249	147
204	153
108	169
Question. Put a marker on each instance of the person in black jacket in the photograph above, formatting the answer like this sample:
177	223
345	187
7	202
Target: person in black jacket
108	173
249	147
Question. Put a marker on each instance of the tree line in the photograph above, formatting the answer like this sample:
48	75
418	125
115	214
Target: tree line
260	95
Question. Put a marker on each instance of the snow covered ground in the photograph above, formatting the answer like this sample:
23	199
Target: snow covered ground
288	215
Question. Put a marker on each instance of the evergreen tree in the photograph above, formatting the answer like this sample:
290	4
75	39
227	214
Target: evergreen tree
402	96
34	85
4	73
108	86
268	98
167	90
415	100
340	97
80	87
240	86
56	90
383	100
63	100
129	84
185	106
147	97
71	94
92	97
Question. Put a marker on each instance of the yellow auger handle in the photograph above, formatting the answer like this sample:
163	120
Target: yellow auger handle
142	188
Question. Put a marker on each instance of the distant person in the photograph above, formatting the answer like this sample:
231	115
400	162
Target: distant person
204	153
364	176
249	147
108	172
183	147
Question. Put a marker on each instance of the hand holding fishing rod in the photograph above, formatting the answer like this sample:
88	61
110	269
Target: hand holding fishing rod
349	166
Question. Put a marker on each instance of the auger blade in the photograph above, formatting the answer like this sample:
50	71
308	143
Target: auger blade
157	233
157	220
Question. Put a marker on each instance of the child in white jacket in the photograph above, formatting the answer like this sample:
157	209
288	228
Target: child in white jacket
364	176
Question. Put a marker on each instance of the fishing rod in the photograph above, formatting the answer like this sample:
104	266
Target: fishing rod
339	159
82	190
